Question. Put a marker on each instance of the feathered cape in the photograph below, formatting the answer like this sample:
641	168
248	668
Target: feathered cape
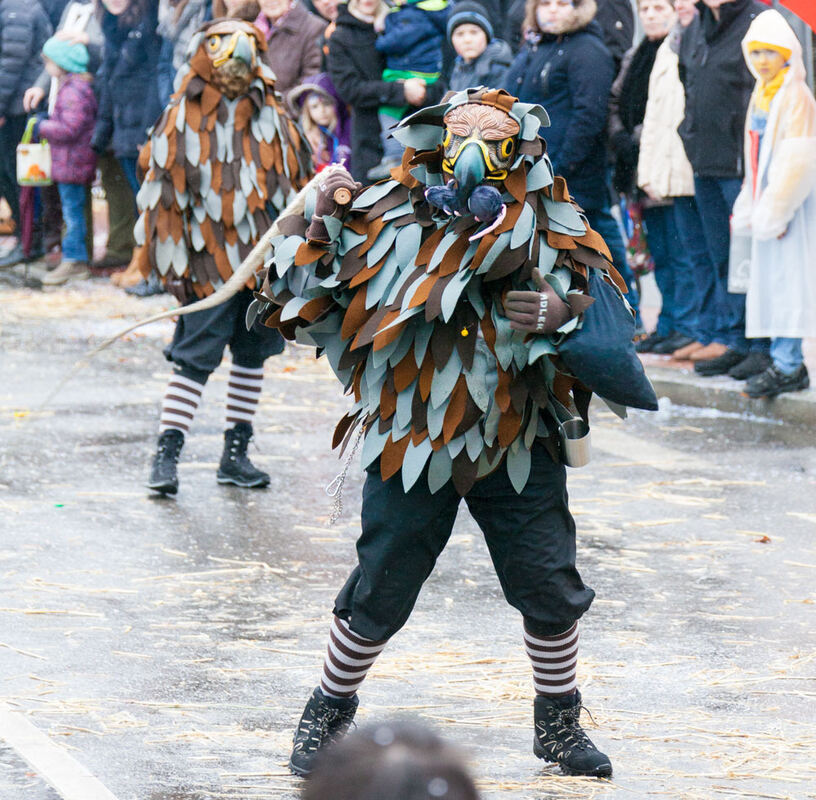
408	310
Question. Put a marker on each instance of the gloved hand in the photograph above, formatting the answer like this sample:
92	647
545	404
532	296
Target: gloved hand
541	311
334	197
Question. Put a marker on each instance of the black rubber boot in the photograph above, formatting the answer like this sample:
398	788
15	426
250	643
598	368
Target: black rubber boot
235	467
560	739
325	720
163	474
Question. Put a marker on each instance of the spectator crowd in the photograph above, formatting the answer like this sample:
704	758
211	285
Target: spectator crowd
662	140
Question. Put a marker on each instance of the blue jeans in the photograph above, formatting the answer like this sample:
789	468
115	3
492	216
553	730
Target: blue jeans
165	73
129	168
673	273
72	199
604	223
787	354
703	319
715	199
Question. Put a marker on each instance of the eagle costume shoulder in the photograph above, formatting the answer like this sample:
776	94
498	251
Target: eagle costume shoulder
222	161
404	294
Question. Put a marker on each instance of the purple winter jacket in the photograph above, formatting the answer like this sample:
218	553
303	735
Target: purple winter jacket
69	130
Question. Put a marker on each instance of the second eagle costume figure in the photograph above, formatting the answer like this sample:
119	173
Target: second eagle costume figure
440	298
222	161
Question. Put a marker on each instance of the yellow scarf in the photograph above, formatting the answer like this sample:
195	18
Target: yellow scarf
765	92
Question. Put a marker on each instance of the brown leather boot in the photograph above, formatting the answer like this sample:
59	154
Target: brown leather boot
684	353
713	350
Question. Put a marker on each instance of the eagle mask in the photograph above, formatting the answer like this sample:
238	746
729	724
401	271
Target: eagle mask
479	147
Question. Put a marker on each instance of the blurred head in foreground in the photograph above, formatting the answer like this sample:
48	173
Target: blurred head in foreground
390	761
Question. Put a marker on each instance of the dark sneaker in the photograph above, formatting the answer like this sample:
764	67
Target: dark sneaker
647	344
751	365
163	474
235	467
324	721
720	365
674	342
560	739
773	381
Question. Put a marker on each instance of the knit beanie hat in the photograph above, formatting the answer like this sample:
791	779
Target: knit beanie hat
468	11
72	57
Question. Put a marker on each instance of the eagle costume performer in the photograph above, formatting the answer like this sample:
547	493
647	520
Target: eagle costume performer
222	161
440	298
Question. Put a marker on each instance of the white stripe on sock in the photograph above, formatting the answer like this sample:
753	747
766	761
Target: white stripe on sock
554	660
243	393
348	659
181	400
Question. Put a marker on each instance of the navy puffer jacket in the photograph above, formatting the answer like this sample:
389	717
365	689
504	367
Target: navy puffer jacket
414	35
571	76
24	27
127	84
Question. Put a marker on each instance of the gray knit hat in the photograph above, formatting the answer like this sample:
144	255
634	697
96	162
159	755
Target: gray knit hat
469	12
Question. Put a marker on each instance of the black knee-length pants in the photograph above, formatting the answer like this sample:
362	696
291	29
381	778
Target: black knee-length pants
200	338
531	539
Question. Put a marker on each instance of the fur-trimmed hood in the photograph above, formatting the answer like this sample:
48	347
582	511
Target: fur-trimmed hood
583	12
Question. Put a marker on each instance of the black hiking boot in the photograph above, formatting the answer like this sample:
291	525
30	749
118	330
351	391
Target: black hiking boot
163	474
235	467
560	739
325	720
773	382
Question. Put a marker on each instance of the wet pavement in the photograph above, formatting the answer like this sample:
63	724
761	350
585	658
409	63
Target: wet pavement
169	645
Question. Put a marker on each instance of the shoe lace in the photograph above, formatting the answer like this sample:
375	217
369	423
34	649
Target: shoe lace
563	730
170	447
325	724
238	444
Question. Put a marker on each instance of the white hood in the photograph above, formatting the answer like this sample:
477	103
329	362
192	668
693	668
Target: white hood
770	27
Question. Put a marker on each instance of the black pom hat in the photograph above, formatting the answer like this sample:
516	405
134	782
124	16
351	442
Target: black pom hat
469	12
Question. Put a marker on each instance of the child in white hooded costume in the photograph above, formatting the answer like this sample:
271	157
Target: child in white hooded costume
777	204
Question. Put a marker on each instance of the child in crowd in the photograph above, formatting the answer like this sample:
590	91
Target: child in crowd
68	130
412	43
777	204
481	60
324	119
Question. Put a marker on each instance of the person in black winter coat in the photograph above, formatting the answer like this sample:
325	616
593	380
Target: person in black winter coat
617	21
565	66
53	10
481	60
355	67
616	18
24	27
718	87
127	82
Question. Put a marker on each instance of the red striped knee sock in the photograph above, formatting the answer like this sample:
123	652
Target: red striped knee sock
348	659
243	394
555	659
180	403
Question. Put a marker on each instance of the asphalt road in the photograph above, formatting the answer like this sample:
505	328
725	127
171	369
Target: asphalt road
169	645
